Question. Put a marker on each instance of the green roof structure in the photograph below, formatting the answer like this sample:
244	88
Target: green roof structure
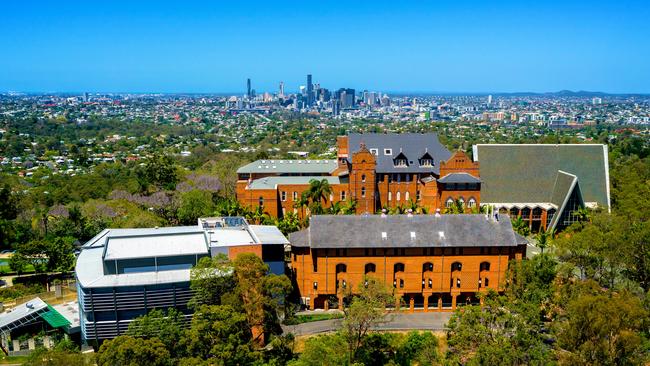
541	173
54	318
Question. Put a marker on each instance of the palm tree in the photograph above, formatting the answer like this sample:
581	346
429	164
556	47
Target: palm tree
350	207
302	202
457	207
544	239
521	226
335	209
319	190
583	214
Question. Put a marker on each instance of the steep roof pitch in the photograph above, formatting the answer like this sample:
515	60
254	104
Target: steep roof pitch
513	173
401	231
412	145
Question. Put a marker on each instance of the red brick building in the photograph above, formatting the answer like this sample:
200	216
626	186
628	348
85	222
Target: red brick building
433	262
377	170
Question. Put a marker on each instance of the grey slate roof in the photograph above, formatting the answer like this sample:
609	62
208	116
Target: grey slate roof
459	178
273	182
365	231
412	145
512	173
290	167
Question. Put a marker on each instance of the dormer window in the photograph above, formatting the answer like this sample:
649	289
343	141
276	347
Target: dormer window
374	152
388	152
400	161
426	161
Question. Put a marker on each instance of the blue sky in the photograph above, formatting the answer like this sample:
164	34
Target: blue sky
213	46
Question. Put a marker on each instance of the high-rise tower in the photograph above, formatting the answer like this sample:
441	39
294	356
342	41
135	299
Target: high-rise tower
248	88
282	89
310	91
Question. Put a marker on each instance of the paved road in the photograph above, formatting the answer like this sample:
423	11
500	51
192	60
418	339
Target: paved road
396	321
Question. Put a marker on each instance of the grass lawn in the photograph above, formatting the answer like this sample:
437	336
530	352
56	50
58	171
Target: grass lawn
4	267
9	360
299	319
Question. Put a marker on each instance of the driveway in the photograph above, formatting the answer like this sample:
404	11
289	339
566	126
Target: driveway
395	321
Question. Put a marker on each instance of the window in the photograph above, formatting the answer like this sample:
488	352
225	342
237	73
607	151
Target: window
418	195
401	163
487	282
471	203
390	196
426	163
398	267
295	195
485	266
374	152
456	266
398	196
401	283
363	191
462	201
388	151
370	268
283	196
342	195
261	201
406	196
449	203
341	268
315	285
427	267
363	178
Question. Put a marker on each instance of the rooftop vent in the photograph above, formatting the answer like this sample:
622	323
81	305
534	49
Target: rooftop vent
412	235
441	235
384	235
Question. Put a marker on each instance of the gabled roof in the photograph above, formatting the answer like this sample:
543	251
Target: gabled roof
290	166
459	178
412	145
514	173
377	231
273	182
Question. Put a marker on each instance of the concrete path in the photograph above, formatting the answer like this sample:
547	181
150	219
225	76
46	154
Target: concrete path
395	321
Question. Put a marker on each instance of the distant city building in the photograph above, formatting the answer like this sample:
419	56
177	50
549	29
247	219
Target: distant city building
310	91
281	89
597	101
489	99
248	88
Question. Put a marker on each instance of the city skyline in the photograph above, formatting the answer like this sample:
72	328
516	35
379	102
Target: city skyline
201	47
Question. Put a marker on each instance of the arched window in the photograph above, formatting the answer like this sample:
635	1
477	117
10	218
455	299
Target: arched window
485	266
370	268
341	268
363	178
427	267
456	266
462	201
398	267
397	196
390	196
261	201
471	203
363	191
449	203
406	196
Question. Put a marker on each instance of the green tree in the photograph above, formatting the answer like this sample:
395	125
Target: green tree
129	351
195	204
167	326
220	335
211	279
497	333
159	171
324	350
366	310
601	328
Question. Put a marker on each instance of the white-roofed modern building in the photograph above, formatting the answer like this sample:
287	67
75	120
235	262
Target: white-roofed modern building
125	273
